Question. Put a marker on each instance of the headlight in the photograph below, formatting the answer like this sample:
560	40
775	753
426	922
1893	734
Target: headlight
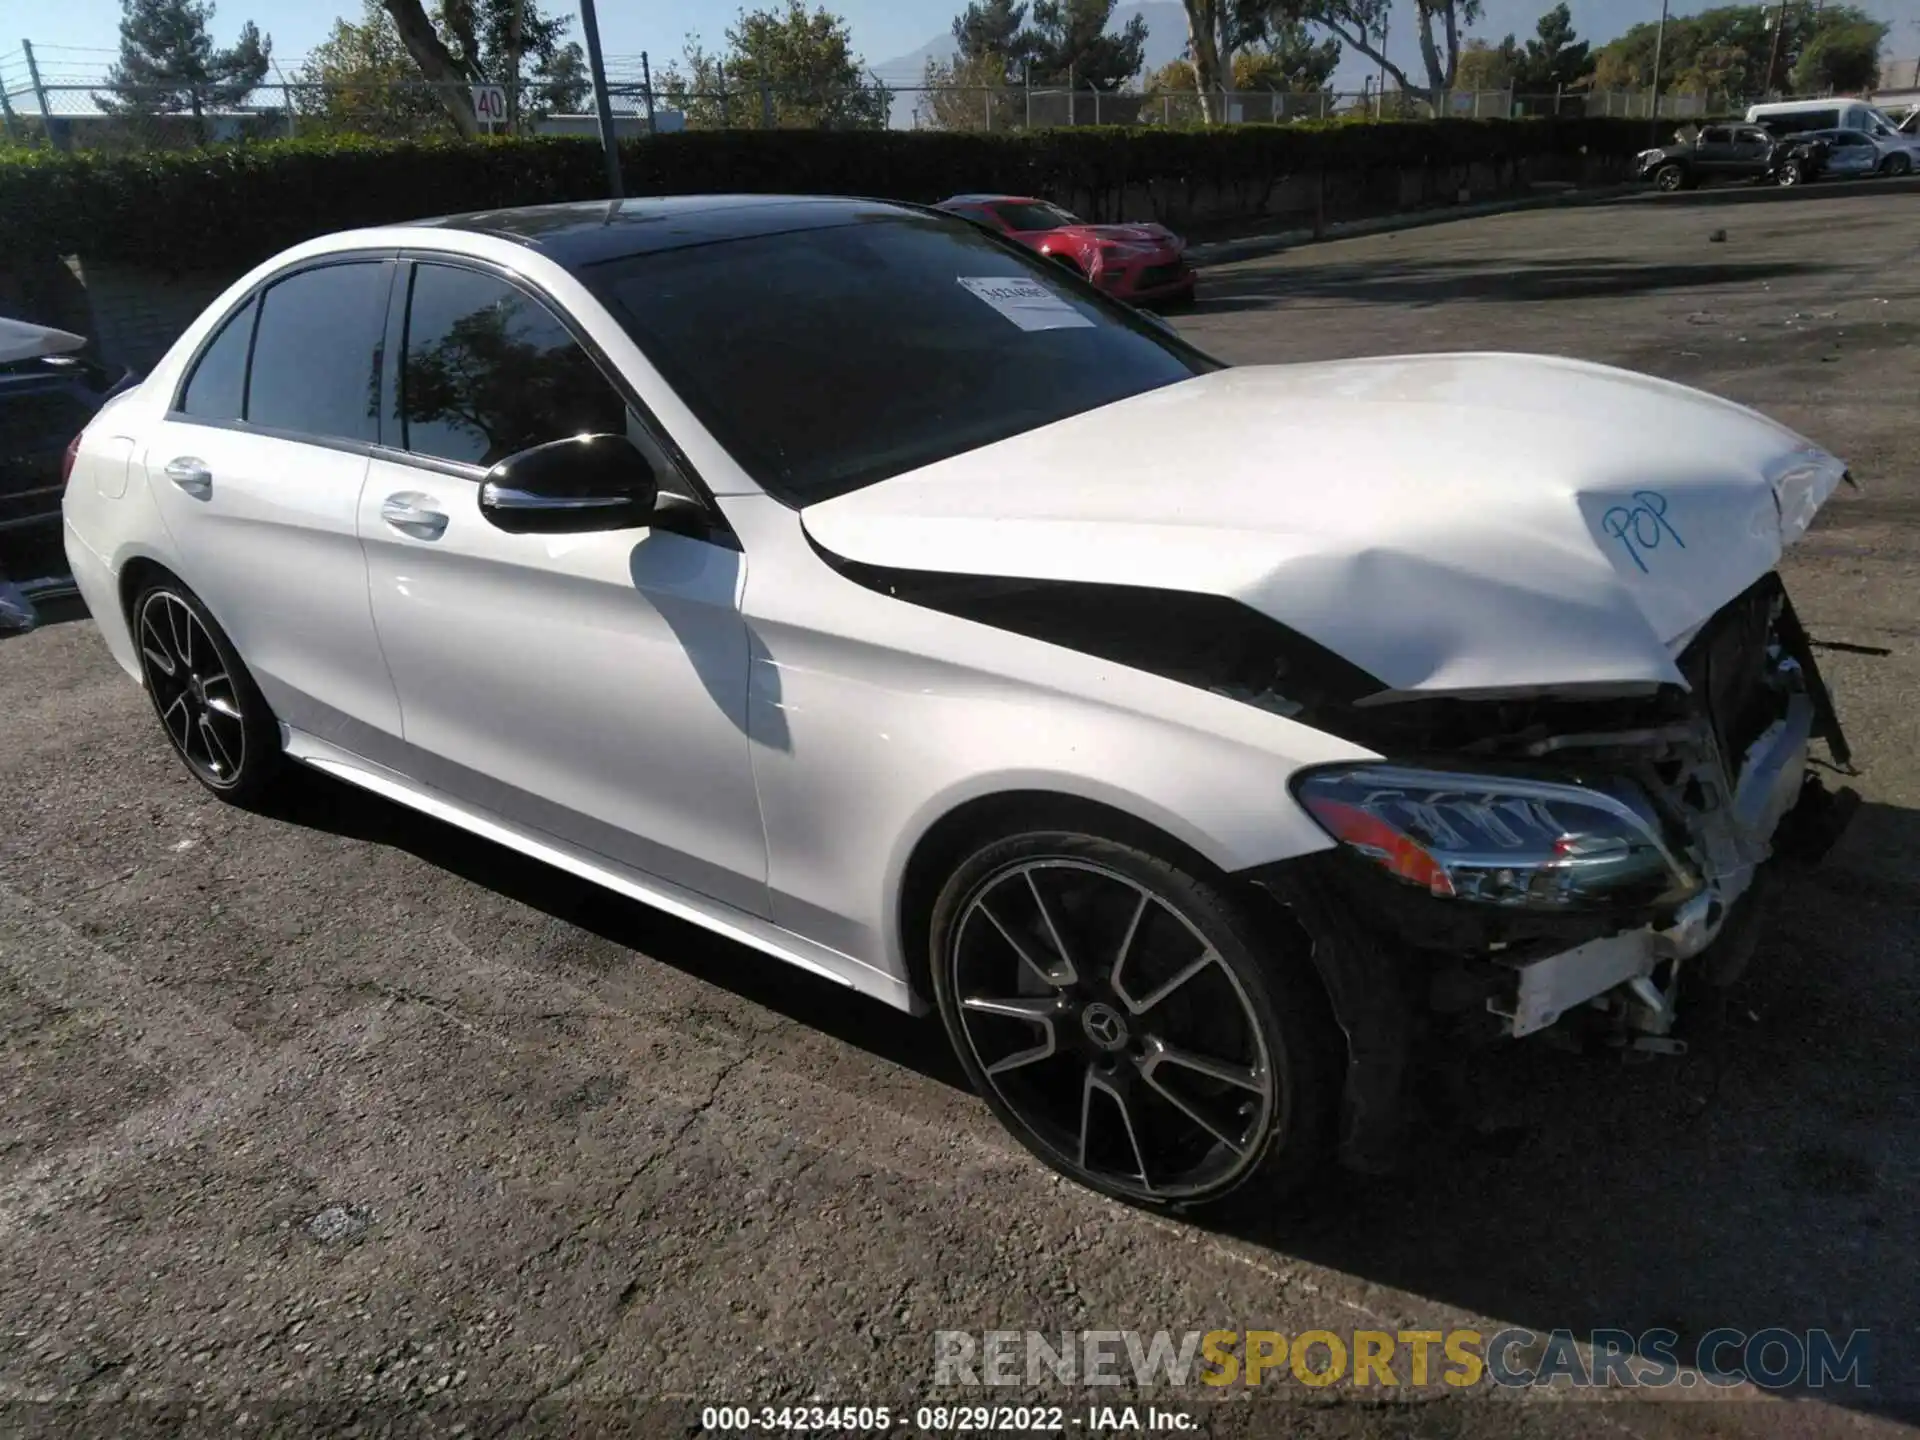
1497	840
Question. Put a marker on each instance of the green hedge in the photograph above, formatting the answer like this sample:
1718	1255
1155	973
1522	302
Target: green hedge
234	206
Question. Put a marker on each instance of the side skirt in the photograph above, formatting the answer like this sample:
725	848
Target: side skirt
708	914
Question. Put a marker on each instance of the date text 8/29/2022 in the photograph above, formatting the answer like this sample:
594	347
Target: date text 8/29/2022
940	1419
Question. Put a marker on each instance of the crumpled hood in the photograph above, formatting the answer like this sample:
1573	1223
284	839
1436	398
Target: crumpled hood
1449	523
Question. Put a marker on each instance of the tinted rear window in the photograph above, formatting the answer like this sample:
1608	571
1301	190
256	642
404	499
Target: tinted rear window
217	388
316	353
828	359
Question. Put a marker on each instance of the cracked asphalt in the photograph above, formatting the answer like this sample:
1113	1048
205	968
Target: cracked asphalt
337	1118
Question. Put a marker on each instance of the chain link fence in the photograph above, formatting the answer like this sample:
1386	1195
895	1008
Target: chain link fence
70	111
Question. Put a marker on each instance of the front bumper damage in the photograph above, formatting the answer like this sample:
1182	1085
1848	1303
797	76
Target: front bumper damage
1732	776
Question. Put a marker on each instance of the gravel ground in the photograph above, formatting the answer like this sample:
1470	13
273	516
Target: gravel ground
339	1117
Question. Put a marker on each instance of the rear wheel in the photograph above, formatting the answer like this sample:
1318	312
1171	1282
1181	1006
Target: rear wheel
1669	178
1129	1023
214	715
1897	165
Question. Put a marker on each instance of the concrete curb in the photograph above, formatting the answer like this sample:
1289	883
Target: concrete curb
1251	247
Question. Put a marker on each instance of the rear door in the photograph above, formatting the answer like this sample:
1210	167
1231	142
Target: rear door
257	471
1713	152
1753	150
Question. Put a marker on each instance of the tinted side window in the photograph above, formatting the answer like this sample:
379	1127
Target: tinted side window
217	387
316	356
490	372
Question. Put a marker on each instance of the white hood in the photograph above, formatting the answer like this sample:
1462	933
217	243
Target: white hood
1450	523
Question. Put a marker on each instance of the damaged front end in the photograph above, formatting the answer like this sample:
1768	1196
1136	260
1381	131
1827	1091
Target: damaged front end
1566	861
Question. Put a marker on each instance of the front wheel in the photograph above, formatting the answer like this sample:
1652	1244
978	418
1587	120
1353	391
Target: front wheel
1130	1023
1791	174
214	715
1669	178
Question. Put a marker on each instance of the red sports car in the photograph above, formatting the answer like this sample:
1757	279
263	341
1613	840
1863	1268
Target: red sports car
1132	262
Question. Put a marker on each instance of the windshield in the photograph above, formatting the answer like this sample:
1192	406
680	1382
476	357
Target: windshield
827	359
1029	215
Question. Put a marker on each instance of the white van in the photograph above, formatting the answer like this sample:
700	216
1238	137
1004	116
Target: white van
1794	117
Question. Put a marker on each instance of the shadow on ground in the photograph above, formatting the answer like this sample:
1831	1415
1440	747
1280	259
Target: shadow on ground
1765	1179
321	803
1590	1193
1420	283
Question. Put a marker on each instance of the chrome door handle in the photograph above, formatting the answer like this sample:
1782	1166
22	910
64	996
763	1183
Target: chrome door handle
192	476
412	513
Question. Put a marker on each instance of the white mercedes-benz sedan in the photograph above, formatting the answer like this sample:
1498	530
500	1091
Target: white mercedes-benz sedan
1204	743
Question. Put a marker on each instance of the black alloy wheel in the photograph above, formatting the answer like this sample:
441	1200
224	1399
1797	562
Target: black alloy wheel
213	713
1129	1023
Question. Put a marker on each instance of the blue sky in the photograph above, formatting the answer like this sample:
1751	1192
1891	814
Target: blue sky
74	38
882	28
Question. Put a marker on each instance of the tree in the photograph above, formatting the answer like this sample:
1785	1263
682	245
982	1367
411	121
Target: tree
1488	67
993	29
360	80
1554	59
1069	44
962	94
781	67
1307	64
1366	25
436	63
1287	64
497	42
511	43
1844	57
1729	50
168	64
1216	31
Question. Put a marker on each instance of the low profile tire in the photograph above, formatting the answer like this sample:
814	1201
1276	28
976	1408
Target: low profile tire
1131	1024
214	715
1669	178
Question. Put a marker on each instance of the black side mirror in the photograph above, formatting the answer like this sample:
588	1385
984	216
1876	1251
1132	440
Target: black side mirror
584	483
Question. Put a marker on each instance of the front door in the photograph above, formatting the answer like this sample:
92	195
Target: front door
589	686
257	471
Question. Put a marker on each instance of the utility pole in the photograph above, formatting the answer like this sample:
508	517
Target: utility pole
1773	53
1380	90
646	89
1659	46
513	68
597	67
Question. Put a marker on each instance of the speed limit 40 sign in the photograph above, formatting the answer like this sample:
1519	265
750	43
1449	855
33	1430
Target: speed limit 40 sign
490	104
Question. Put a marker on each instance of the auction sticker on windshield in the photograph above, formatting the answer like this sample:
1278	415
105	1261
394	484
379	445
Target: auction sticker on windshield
1027	303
